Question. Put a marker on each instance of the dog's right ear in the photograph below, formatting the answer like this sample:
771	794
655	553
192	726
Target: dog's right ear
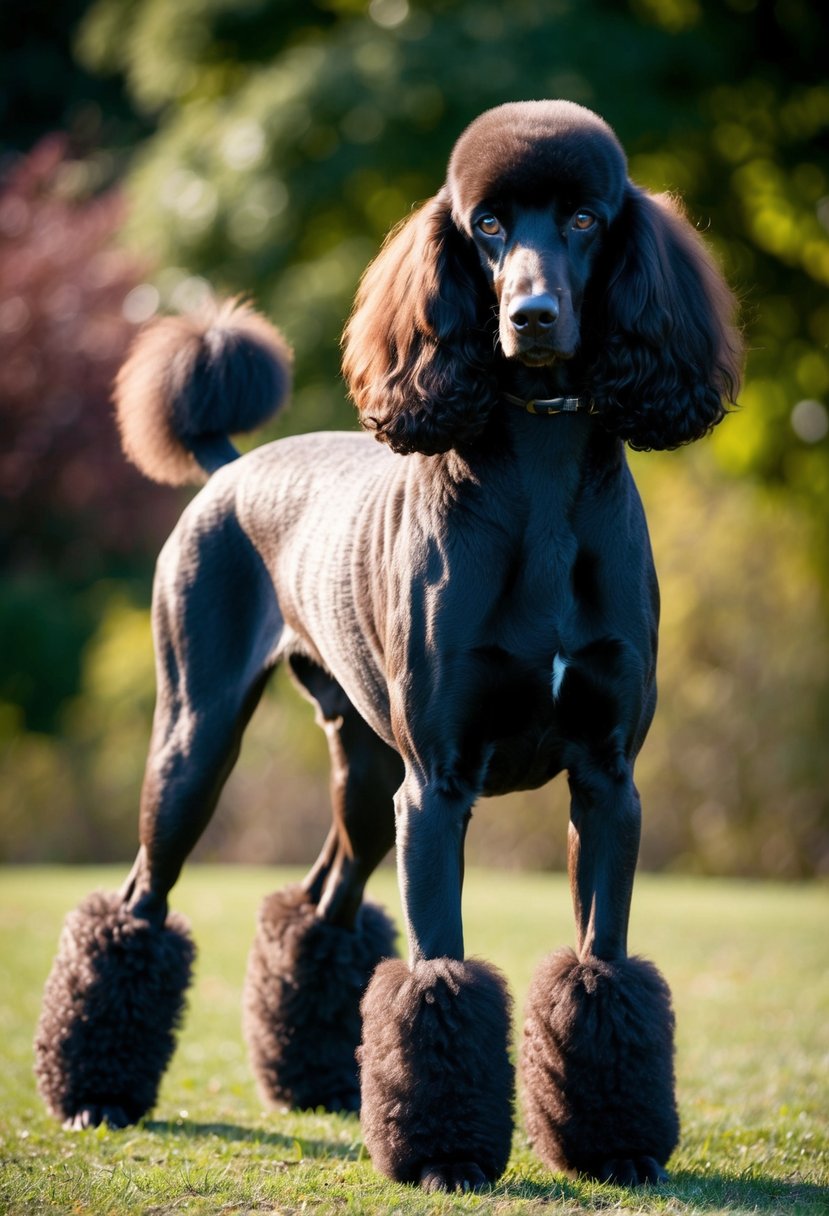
417	347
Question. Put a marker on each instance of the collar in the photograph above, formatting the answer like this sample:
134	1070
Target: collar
553	405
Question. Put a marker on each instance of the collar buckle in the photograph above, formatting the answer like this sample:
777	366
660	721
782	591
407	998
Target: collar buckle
552	405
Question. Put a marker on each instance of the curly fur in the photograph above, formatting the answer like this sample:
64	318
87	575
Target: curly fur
437	1083
302	996
667	358
419	364
190	381
658	354
112	1004
597	1066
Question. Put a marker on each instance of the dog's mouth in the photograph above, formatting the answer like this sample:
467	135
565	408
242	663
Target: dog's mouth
538	350
539	357
542	356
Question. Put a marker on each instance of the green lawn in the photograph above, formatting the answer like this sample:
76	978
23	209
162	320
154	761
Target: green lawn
749	968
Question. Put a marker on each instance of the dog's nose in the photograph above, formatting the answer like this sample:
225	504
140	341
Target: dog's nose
534	316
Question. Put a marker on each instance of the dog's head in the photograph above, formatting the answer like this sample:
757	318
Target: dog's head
539	253
535	186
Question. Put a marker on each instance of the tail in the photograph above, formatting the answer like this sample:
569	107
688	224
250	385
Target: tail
190	382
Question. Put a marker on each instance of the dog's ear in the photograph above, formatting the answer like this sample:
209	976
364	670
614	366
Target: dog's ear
667	354
417	346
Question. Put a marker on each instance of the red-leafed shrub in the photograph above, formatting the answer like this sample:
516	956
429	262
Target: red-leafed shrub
71	503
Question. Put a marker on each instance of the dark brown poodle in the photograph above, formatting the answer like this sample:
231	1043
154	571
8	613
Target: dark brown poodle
471	605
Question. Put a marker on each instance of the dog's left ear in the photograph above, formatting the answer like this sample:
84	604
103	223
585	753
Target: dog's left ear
667	354
416	349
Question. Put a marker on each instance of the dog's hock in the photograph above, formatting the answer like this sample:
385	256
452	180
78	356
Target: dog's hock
597	1068
111	1007
437	1083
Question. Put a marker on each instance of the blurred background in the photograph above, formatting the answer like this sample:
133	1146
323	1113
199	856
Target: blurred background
152	151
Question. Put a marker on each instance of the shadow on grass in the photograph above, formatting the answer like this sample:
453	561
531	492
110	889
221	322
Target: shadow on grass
252	1135
699	1191
753	1194
717	1192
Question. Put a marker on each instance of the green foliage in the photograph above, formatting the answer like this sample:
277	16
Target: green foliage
73	793
732	779
751	1037
282	141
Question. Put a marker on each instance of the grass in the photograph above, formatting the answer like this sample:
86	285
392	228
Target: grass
748	964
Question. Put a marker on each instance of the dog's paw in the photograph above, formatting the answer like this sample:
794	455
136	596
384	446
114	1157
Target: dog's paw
452	1176
631	1171
95	1114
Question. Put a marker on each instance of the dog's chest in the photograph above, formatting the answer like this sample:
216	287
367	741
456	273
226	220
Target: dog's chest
515	719
530	679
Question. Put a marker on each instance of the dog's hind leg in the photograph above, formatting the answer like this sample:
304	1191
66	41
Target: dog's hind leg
597	1054
318	943
365	773
115	996
217	628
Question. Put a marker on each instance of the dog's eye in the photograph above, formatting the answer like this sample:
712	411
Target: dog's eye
488	225
583	220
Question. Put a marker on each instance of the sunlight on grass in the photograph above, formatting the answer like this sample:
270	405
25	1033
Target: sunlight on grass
748	964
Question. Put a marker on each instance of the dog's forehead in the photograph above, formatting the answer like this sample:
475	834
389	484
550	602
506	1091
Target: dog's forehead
531	150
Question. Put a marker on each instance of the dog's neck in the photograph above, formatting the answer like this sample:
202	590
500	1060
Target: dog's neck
545	390
559	379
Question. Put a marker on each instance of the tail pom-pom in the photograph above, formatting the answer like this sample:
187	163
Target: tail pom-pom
191	381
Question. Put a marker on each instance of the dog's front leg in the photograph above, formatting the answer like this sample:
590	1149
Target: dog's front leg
597	1054
437	1083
